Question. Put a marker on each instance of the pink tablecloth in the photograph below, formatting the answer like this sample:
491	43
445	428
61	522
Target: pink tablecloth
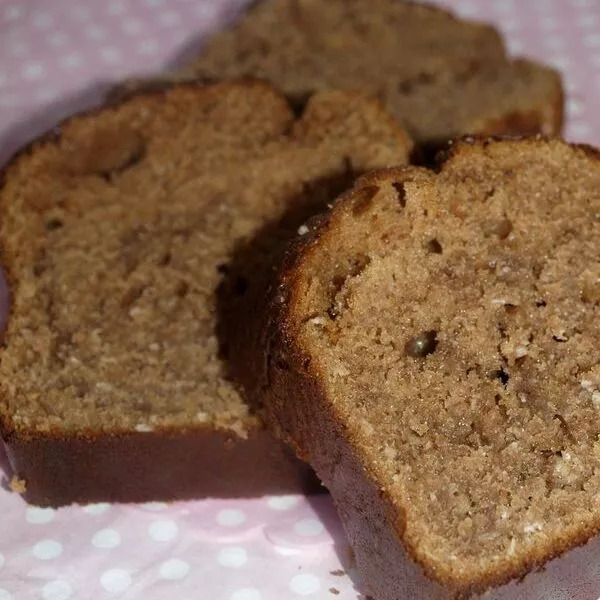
59	55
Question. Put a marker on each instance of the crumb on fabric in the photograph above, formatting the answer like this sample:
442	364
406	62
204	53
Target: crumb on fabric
17	485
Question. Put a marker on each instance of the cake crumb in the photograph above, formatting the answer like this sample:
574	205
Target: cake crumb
521	351
512	547
587	385
337	573
317	321
17	485
334	591
144	428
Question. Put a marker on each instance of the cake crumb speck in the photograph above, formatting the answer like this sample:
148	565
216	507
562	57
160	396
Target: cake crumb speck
17	485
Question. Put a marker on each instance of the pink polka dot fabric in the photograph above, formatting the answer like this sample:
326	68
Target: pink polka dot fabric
61	55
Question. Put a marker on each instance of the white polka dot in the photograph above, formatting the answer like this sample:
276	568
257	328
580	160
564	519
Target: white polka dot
115	580
169	18
12	12
33	71
110	54
155	506
230	517
163	530
285	551
308	527
58	39
39	515
305	584
57	590
148	47
282	502
246	594
561	62
588	20
572	86
592	40
47	549
5	594
574	107
96	509
106	538
516	46
232	556
468	10
95	32
71	61
174	568
42	20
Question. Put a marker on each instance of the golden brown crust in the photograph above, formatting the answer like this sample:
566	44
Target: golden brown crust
299	411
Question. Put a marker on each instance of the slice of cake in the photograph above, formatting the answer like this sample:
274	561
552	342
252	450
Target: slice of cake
434	352
440	75
117	232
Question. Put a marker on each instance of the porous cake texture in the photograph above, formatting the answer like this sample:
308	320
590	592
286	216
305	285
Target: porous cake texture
433	350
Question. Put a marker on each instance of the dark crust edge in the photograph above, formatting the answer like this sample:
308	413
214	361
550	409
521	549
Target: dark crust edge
165	464
547	120
297	409
160	465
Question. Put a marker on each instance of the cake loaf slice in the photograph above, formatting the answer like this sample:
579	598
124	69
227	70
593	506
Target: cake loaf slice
117	231
440	75
434	352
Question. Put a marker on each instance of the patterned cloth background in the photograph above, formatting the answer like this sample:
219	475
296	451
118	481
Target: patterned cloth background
57	56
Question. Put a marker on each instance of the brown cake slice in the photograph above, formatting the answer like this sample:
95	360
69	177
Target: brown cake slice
440	75
434	352
117	231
